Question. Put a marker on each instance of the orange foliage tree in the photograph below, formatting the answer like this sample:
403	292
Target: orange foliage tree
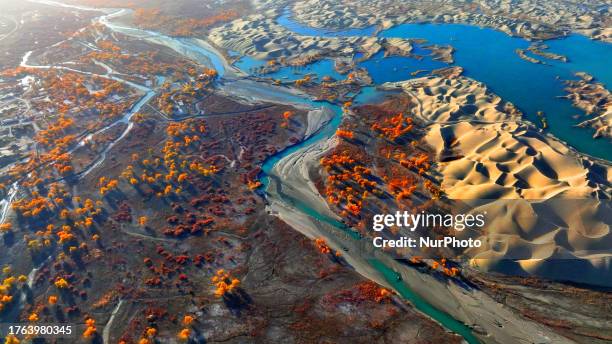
224	283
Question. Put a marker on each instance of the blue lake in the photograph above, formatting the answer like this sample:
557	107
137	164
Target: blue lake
395	68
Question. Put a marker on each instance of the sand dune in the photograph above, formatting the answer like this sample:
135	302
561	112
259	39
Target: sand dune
512	157
489	152
594	99
456	99
261	37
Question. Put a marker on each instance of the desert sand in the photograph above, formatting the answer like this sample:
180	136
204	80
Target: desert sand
498	156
